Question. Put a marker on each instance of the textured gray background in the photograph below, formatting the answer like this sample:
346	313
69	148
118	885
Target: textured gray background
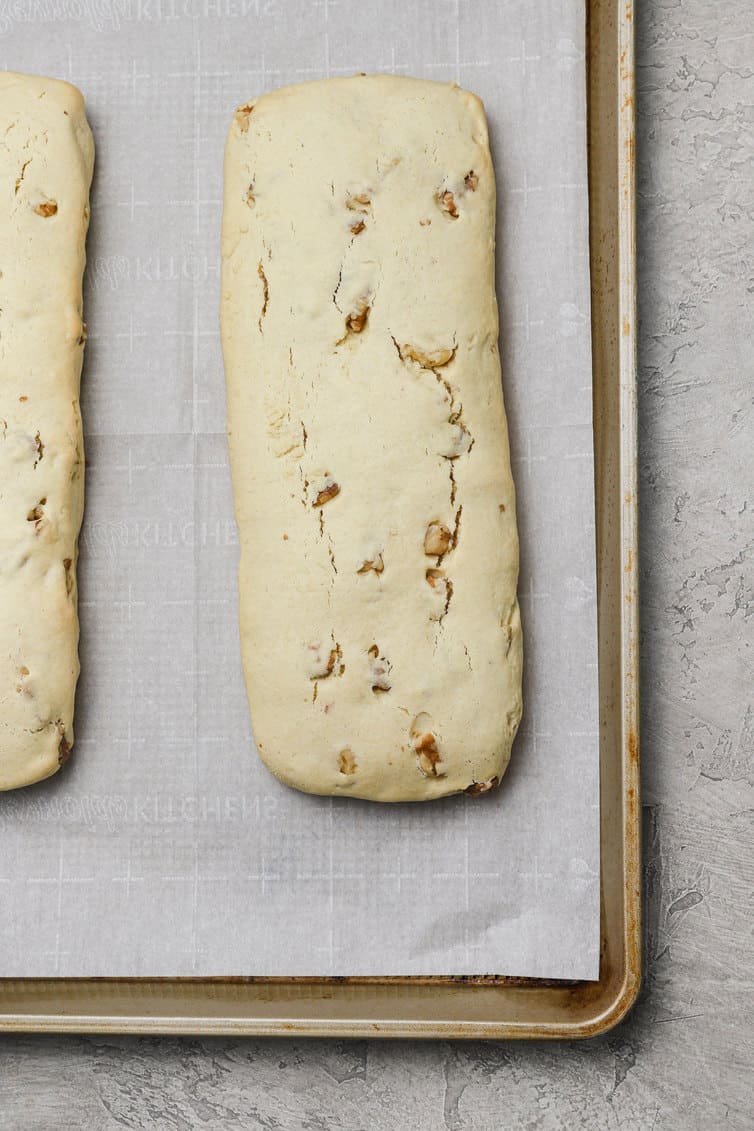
684	1058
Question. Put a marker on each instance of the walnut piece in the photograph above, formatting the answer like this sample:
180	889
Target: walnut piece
358	202
36	514
478	787
372	565
434	577
46	208
242	115
443	586
425	744
427	754
471	180
357	319
437	539
428	359
447	203
347	762
380	670
64	746
328	492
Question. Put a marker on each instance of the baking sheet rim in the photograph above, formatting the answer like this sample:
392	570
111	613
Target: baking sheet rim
564	1009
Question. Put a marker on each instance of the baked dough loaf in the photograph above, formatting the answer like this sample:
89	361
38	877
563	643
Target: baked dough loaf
46	160
380	628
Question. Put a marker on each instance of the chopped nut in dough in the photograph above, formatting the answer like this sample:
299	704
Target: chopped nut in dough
437	539
326	493
347	762
380	670
447	203
46	208
372	565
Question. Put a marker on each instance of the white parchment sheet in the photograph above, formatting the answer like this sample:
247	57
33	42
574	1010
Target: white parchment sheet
165	847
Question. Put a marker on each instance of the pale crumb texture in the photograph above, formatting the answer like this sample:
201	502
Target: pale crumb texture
380	628
46	160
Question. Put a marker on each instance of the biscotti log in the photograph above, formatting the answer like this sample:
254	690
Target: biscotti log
379	556
46	163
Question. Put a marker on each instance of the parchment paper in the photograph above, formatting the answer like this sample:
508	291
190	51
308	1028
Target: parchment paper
165	848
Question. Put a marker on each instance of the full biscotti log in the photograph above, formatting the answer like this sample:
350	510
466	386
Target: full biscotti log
46	161
379	556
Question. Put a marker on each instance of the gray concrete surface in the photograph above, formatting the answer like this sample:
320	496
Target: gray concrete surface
684	1058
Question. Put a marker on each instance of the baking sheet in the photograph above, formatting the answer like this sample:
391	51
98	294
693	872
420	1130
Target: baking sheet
165	847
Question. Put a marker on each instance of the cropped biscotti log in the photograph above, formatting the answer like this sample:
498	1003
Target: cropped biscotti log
379	556
46	160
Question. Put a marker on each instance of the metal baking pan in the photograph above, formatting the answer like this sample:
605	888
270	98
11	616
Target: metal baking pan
477	1007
